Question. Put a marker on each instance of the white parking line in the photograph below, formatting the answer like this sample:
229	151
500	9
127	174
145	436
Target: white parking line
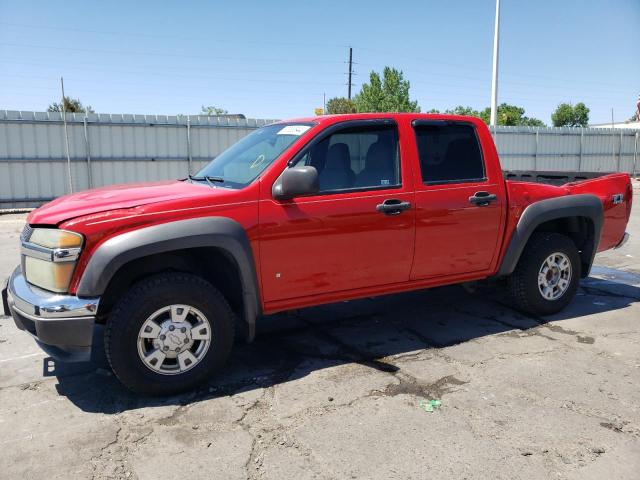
37	354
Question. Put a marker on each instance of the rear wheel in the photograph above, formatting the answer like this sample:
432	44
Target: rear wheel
168	333
547	275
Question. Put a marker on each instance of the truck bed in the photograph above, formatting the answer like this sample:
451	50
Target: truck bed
550	177
613	189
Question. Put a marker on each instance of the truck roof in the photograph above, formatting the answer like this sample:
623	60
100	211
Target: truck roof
395	115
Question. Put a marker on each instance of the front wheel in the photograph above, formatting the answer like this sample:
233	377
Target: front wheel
547	275
169	333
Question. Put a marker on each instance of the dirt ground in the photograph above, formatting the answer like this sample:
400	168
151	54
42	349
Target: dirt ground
340	391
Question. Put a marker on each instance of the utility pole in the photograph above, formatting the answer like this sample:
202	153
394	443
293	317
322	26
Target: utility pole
612	122
350	70
66	137
494	78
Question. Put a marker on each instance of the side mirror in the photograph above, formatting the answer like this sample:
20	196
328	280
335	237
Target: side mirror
295	182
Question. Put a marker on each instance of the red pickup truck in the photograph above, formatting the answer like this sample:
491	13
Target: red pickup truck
298	213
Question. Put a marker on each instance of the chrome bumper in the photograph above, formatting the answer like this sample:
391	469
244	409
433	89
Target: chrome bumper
625	239
61	324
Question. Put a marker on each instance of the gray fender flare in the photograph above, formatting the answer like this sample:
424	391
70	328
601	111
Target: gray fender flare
583	205
220	232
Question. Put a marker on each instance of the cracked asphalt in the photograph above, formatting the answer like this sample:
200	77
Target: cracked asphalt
339	391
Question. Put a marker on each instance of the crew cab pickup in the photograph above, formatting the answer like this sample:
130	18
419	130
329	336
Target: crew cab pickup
298	213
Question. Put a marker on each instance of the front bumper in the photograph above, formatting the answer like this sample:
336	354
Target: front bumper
61	324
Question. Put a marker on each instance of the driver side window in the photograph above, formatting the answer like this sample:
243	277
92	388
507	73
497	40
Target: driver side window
356	158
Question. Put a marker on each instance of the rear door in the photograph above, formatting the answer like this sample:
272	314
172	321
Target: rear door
357	232
460	200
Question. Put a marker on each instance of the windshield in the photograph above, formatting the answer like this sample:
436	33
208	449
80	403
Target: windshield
241	163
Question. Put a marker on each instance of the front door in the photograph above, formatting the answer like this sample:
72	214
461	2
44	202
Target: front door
357	232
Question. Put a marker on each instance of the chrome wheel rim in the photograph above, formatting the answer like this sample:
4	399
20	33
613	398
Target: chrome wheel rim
174	339
554	276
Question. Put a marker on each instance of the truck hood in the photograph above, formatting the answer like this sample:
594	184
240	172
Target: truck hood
115	197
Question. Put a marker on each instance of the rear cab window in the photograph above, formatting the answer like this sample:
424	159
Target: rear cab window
449	152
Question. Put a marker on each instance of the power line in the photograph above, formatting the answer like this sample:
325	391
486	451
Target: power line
395	54
521	89
146	89
528	76
235	41
83	88
87	66
162	54
173	37
569	79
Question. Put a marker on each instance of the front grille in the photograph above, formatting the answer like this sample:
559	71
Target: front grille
26	233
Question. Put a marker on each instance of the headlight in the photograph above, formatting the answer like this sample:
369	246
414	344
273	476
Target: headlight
49	257
53	238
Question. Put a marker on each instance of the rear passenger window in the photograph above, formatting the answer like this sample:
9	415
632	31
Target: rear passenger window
449	153
356	158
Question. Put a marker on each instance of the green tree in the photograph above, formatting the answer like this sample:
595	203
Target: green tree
506	115
212	110
511	115
73	105
340	105
389	94
568	115
460	110
434	110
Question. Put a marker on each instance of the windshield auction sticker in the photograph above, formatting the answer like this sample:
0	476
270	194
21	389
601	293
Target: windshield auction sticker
296	130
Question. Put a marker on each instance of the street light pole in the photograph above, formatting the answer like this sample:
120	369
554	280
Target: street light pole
494	78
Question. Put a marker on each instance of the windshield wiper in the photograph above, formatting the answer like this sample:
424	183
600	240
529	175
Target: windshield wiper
208	178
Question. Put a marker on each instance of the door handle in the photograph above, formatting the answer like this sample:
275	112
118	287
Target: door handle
393	206
482	199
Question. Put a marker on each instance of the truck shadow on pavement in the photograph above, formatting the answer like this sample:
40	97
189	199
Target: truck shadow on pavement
293	345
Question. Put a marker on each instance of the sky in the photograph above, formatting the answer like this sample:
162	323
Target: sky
277	59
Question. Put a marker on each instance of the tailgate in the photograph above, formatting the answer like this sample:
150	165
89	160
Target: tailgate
616	193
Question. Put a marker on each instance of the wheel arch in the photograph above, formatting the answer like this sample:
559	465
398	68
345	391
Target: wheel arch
216	248
580	217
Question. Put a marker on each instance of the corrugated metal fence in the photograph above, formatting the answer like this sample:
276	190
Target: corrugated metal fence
567	149
104	149
108	149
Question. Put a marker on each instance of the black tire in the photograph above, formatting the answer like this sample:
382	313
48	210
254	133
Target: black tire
523	282
142	300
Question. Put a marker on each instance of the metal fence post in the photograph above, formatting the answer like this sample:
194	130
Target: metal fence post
613	145
619	153
535	158
635	155
189	143
66	138
581	147
88	149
